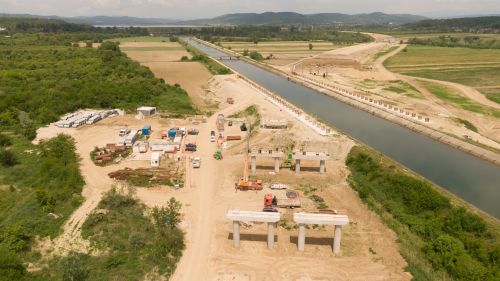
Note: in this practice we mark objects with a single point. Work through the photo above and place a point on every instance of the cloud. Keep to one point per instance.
(189, 9)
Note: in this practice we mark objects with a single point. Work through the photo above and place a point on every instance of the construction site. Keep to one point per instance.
(260, 186)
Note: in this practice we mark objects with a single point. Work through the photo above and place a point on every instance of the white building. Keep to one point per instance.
(145, 111)
(155, 159)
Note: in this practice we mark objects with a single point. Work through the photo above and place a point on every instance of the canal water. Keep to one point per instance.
(471, 178)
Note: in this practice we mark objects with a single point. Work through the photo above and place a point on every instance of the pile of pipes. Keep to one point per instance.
(88, 117)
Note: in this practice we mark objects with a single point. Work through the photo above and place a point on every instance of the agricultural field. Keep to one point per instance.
(476, 68)
(283, 52)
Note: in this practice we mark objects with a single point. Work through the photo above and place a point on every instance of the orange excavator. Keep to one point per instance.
(245, 183)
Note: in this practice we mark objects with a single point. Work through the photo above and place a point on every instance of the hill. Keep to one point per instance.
(466, 24)
(100, 20)
(283, 18)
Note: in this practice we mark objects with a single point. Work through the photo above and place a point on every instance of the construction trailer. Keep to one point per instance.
(164, 147)
(155, 159)
(274, 124)
(146, 111)
(140, 147)
(131, 138)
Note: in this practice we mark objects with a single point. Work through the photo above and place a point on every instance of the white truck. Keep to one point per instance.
(124, 132)
(196, 162)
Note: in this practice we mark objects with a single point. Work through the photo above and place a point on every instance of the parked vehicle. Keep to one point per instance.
(243, 127)
(124, 132)
(193, 131)
(196, 162)
(212, 136)
(278, 186)
(190, 147)
(230, 123)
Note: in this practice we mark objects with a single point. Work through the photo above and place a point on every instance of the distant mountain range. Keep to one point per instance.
(102, 20)
(283, 18)
(268, 18)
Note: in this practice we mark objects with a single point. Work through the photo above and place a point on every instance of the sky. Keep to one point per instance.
(193, 9)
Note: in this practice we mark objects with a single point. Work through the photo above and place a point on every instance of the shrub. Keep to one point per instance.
(11, 267)
(7, 158)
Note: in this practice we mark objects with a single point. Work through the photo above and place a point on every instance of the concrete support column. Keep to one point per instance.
(321, 166)
(302, 237)
(336, 239)
(236, 233)
(297, 165)
(276, 165)
(270, 235)
(254, 164)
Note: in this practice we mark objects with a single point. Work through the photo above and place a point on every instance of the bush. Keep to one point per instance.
(456, 240)
(5, 140)
(11, 267)
(7, 158)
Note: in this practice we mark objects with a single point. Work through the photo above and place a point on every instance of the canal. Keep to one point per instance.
(470, 178)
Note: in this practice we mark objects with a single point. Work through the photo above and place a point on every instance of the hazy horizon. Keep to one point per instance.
(180, 10)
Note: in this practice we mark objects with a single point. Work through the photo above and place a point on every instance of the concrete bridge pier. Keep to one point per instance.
(254, 164)
(270, 235)
(322, 166)
(336, 239)
(270, 217)
(276, 165)
(236, 234)
(297, 165)
(302, 237)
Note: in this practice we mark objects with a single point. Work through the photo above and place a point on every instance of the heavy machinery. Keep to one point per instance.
(245, 183)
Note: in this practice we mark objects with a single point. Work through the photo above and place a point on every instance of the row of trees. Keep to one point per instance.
(257, 33)
(454, 239)
(475, 42)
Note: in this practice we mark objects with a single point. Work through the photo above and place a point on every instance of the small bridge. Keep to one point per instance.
(228, 58)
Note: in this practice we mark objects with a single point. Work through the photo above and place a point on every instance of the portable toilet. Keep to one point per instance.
(155, 159)
(146, 130)
(172, 132)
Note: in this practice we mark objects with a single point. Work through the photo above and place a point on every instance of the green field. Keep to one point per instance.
(477, 68)
(141, 39)
(145, 49)
(452, 96)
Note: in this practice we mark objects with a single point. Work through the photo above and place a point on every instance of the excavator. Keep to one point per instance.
(245, 183)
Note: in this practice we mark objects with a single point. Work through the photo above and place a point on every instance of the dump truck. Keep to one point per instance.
(288, 200)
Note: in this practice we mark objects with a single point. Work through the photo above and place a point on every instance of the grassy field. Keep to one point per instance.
(477, 68)
(454, 97)
(408, 35)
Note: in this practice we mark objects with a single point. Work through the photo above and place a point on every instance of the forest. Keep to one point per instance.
(44, 73)
(40, 81)
(438, 237)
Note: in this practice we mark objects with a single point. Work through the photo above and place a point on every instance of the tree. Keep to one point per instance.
(168, 216)
(310, 46)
